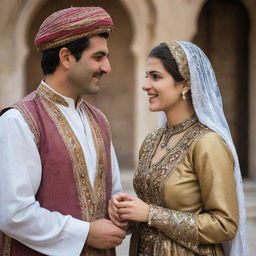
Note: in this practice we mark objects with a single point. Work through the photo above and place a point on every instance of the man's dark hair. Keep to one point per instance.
(163, 53)
(50, 58)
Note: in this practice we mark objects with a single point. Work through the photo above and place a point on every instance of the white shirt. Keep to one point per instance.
(20, 176)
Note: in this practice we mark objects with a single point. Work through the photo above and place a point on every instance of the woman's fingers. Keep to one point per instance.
(133, 210)
(125, 204)
(123, 207)
(123, 197)
(117, 220)
(114, 216)
(126, 216)
(112, 204)
(123, 210)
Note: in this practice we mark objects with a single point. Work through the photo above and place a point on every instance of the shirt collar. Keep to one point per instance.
(46, 91)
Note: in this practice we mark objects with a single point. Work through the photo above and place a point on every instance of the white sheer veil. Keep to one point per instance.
(207, 103)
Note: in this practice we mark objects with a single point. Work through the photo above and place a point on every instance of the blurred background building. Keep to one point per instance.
(224, 29)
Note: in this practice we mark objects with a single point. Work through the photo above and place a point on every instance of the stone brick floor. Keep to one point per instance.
(250, 201)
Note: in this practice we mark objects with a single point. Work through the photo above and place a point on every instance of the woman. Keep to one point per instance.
(188, 182)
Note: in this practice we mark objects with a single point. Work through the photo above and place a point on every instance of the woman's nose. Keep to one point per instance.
(146, 85)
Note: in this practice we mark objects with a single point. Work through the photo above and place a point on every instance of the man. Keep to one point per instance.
(57, 163)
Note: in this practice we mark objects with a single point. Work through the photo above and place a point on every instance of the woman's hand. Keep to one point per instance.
(132, 208)
(113, 211)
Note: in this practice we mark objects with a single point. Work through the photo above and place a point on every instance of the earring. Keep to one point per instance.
(183, 96)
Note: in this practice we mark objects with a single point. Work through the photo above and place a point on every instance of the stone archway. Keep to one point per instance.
(228, 53)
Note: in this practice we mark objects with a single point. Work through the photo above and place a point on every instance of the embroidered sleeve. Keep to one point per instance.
(179, 226)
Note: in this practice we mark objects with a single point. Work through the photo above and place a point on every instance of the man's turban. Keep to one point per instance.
(70, 24)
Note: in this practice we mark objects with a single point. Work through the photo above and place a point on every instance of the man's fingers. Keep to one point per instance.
(104, 234)
(120, 233)
(117, 241)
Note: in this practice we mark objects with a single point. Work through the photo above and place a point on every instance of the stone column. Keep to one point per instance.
(143, 19)
(14, 19)
(10, 81)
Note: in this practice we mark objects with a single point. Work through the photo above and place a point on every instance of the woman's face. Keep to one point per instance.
(163, 92)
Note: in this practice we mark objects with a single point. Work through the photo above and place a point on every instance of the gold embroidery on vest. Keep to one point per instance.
(91, 200)
(43, 90)
(31, 122)
(7, 245)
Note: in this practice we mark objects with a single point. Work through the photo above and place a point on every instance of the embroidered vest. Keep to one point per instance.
(65, 185)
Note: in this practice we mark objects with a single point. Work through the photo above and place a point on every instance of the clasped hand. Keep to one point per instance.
(123, 208)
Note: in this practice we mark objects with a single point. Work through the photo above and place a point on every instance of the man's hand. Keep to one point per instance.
(103, 234)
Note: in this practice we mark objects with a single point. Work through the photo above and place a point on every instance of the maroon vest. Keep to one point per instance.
(58, 189)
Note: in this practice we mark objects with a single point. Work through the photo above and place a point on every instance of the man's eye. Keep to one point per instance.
(97, 57)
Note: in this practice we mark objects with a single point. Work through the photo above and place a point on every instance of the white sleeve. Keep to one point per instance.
(116, 181)
(21, 216)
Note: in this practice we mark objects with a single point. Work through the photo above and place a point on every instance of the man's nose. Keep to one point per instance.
(106, 67)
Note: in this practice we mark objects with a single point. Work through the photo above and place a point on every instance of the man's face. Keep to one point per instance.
(84, 75)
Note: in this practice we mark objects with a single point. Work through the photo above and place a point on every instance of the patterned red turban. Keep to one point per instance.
(70, 24)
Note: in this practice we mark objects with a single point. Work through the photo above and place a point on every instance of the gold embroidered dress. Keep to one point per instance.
(192, 196)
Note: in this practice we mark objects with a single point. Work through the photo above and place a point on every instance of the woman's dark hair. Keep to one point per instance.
(50, 58)
(163, 53)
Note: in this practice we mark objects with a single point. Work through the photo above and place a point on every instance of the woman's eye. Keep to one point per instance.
(155, 77)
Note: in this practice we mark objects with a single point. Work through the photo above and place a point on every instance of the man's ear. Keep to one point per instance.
(66, 58)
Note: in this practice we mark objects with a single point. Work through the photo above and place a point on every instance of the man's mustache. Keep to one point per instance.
(99, 73)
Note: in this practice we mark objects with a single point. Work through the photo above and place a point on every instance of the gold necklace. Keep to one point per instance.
(172, 130)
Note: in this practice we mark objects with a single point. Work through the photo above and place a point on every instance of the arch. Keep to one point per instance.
(21, 30)
(143, 14)
(142, 18)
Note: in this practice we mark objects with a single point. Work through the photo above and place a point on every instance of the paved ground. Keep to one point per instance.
(250, 200)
